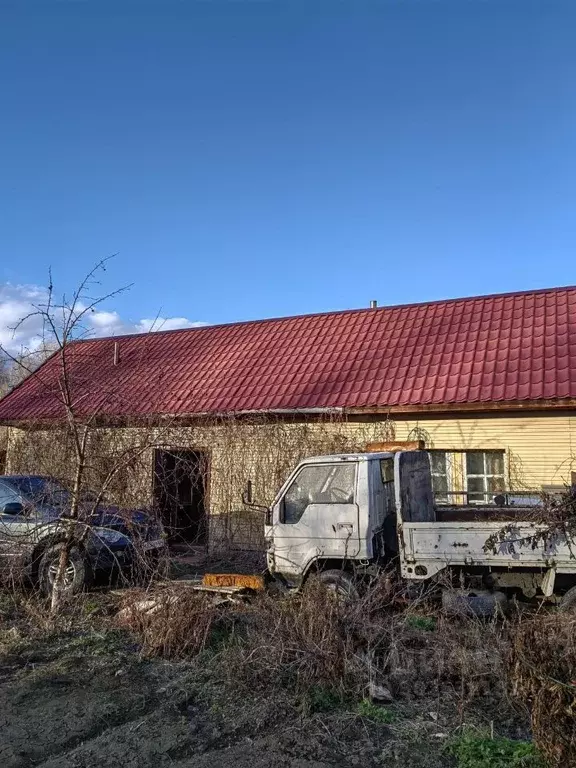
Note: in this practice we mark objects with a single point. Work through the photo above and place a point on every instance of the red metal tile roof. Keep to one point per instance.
(489, 349)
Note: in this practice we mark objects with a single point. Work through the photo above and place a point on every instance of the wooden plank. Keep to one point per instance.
(392, 446)
(234, 580)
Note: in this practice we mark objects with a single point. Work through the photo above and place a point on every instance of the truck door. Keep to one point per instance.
(317, 516)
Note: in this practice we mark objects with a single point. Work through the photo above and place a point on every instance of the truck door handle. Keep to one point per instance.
(344, 526)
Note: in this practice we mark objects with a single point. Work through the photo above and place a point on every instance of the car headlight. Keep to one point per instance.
(109, 536)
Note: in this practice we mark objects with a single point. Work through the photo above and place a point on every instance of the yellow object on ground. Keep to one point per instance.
(238, 580)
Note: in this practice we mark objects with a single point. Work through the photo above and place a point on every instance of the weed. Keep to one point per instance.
(477, 750)
(7, 601)
(11, 642)
(425, 623)
(377, 714)
(220, 636)
(175, 623)
(542, 671)
(90, 607)
(97, 643)
(321, 699)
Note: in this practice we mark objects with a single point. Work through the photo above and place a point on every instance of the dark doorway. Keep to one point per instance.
(180, 493)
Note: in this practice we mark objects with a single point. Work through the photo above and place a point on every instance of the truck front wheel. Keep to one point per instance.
(341, 583)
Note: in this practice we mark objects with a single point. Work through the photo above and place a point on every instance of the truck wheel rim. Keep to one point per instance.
(69, 573)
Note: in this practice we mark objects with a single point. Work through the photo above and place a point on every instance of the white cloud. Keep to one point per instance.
(18, 301)
(165, 324)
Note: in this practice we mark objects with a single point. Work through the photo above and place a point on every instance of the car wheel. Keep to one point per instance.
(341, 584)
(76, 575)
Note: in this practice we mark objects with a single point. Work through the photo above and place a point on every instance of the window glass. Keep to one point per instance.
(494, 463)
(8, 496)
(485, 475)
(438, 462)
(42, 490)
(495, 484)
(387, 470)
(319, 484)
(440, 487)
(341, 484)
(475, 463)
(439, 466)
(476, 486)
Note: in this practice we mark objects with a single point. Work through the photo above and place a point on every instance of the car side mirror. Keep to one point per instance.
(12, 508)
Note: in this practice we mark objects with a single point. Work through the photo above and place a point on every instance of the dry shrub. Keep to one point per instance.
(465, 657)
(174, 622)
(299, 641)
(313, 641)
(543, 673)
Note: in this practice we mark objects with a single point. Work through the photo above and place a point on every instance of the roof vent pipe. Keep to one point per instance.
(373, 304)
(116, 353)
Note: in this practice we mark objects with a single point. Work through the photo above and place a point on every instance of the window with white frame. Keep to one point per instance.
(441, 476)
(484, 475)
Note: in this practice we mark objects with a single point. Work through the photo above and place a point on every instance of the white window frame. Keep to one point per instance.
(488, 495)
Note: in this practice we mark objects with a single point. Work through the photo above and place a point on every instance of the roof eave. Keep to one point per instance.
(568, 403)
(447, 409)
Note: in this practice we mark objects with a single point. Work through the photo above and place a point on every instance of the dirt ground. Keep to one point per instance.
(89, 699)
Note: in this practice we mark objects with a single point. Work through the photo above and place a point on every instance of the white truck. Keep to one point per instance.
(344, 516)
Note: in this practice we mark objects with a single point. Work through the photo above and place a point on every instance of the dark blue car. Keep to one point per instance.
(35, 526)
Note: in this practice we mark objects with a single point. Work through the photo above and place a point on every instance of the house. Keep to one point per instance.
(488, 383)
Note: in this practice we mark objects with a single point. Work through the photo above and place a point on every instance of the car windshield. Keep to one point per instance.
(42, 490)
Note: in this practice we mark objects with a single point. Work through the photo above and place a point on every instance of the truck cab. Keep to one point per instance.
(354, 513)
(342, 510)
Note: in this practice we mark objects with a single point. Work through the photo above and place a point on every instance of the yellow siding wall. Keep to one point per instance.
(540, 449)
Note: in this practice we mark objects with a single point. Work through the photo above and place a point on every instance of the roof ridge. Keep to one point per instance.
(356, 310)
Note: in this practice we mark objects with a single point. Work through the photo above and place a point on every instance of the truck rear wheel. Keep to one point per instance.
(341, 583)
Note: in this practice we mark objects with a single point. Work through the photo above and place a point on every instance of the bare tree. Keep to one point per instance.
(63, 322)
(86, 449)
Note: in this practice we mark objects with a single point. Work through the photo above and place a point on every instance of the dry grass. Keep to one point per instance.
(311, 642)
(172, 622)
(543, 673)
(319, 654)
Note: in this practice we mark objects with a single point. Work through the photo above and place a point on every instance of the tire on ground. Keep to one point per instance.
(457, 602)
(77, 575)
(568, 601)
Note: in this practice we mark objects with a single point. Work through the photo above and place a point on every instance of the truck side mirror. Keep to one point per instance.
(247, 495)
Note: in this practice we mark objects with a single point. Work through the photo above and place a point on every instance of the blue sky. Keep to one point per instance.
(249, 159)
